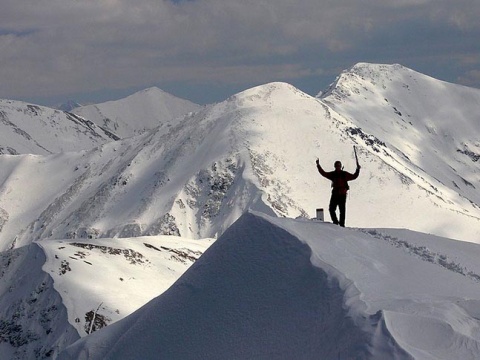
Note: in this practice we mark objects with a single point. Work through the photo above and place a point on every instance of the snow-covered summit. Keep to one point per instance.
(377, 74)
(138, 112)
(430, 123)
(269, 91)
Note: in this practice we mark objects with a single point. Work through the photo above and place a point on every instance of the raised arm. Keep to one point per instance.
(355, 174)
(320, 170)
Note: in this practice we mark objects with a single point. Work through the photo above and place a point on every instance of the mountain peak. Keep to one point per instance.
(151, 90)
(414, 114)
(365, 72)
(365, 68)
(270, 92)
(136, 113)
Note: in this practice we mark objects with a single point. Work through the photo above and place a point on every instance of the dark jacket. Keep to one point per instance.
(339, 179)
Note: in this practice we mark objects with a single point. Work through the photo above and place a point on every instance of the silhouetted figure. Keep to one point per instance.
(339, 179)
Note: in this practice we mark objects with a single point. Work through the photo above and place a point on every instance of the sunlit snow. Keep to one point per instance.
(195, 238)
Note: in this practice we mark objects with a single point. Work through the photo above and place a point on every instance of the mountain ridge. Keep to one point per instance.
(255, 150)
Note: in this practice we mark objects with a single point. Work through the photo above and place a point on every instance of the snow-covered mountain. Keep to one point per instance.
(32, 129)
(426, 122)
(255, 150)
(277, 288)
(195, 176)
(137, 113)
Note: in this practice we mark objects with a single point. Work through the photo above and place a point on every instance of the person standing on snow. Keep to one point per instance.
(339, 179)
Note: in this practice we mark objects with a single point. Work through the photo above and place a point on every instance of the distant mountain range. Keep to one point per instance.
(155, 165)
(33, 129)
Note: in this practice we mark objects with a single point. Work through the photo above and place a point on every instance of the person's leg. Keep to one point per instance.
(342, 200)
(332, 208)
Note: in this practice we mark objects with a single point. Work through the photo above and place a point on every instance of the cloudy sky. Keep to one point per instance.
(206, 50)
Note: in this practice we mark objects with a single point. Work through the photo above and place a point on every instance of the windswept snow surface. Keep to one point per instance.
(138, 112)
(276, 288)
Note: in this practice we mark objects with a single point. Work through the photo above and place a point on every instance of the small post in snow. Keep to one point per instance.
(320, 215)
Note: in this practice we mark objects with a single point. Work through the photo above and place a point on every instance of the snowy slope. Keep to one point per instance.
(33, 129)
(114, 277)
(53, 292)
(136, 113)
(33, 318)
(273, 288)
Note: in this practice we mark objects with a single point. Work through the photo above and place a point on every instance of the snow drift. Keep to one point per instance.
(281, 289)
